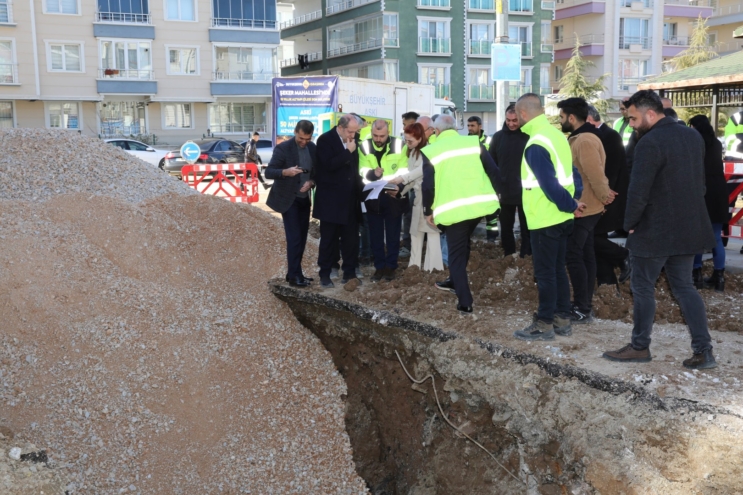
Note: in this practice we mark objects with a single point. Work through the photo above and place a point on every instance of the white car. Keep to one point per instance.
(265, 150)
(140, 150)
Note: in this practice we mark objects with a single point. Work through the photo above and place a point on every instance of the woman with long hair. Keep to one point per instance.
(716, 198)
(415, 140)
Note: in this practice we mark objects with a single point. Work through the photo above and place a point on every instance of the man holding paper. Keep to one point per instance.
(382, 158)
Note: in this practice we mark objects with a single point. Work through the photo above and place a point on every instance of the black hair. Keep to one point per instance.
(574, 106)
(410, 116)
(511, 108)
(645, 99)
(305, 127)
(256, 134)
(670, 112)
(475, 119)
(702, 124)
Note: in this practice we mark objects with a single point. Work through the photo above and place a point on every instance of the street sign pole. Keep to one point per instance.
(501, 87)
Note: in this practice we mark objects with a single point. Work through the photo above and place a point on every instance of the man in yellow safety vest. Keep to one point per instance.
(621, 125)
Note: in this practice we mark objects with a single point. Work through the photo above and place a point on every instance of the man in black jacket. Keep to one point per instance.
(291, 167)
(338, 198)
(507, 150)
(666, 191)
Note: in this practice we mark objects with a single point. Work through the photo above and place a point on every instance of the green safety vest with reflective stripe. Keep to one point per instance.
(539, 210)
(627, 130)
(463, 190)
(485, 141)
(394, 161)
(365, 132)
(733, 127)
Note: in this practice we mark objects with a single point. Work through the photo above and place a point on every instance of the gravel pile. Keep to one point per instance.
(140, 346)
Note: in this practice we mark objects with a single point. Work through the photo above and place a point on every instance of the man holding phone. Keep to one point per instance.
(292, 168)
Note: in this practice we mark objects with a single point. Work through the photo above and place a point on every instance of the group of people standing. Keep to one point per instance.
(569, 194)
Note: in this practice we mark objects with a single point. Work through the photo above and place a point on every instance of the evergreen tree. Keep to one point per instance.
(574, 82)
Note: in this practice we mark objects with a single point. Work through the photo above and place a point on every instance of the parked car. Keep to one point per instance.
(215, 150)
(265, 151)
(140, 150)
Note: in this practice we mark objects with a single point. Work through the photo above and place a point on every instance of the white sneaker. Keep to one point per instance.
(334, 273)
(359, 274)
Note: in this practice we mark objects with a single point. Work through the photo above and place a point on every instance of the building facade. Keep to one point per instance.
(177, 69)
(445, 43)
(726, 18)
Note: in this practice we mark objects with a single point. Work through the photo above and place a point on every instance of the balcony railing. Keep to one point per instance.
(648, 4)
(6, 13)
(520, 6)
(548, 5)
(233, 128)
(8, 73)
(546, 47)
(480, 47)
(676, 41)
(546, 90)
(312, 16)
(124, 17)
(692, 3)
(311, 57)
(625, 83)
(728, 9)
(442, 90)
(227, 22)
(516, 91)
(626, 41)
(481, 92)
(526, 48)
(137, 74)
(585, 39)
(241, 75)
(364, 45)
(730, 46)
(443, 4)
(434, 45)
(481, 4)
(350, 4)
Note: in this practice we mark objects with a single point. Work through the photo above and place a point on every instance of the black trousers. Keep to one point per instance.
(458, 241)
(581, 261)
(296, 225)
(507, 222)
(334, 236)
(609, 255)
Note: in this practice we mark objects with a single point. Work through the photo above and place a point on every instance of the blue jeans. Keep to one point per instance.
(718, 252)
(548, 247)
(645, 273)
(444, 249)
(384, 226)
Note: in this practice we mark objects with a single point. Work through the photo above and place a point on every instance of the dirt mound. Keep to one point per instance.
(142, 350)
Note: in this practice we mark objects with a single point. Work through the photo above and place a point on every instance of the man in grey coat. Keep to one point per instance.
(667, 221)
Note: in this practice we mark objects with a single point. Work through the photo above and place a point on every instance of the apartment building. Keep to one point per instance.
(176, 69)
(445, 43)
(627, 39)
(727, 17)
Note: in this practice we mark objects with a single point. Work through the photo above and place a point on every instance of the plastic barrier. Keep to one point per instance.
(734, 175)
(242, 187)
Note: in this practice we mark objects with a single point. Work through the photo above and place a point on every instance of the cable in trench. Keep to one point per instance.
(441, 410)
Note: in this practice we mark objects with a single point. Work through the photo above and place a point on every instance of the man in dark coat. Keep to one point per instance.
(507, 150)
(338, 198)
(667, 221)
(610, 254)
(291, 167)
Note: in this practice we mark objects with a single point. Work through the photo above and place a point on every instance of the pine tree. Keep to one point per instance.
(574, 82)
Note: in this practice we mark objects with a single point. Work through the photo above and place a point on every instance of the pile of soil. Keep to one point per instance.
(141, 348)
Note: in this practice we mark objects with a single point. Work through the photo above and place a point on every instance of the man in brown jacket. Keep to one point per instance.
(589, 158)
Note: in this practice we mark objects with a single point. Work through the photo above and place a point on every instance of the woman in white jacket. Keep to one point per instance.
(415, 139)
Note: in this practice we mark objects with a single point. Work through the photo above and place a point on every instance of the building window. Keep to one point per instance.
(519, 6)
(6, 114)
(180, 10)
(363, 34)
(558, 73)
(7, 62)
(437, 76)
(236, 117)
(480, 39)
(631, 72)
(123, 11)
(521, 35)
(481, 4)
(384, 71)
(61, 6)
(63, 115)
(5, 12)
(433, 36)
(65, 57)
(558, 34)
(237, 63)
(177, 116)
(183, 61)
(545, 86)
(545, 32)
(633, 31)
(127, 59)
(122, 118)
(244, 13)
(480, 84)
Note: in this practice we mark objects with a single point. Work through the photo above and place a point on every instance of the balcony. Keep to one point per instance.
(482, 5)
(243, 76)
(516, 91)
(548, 5)
(233, 30)
(574, 8)
(691, 9)
(343, 6)
(480, 48)
(123, 17)
(636, 4)
(592, 45)
(126, 81)
(674, 45)
(520, 7)
(546, 90)
(135, 74)
(481, 92)
(635, 43)
(729, 47)
(434, 46)
(311, 57)
(360, 47)
(434, 4)
(442, 90)
(526, 49)
(727, 14)
(546, 48)
(629, 83)
(6, 13)
(8, 73)
(228, 22)
(302, 19)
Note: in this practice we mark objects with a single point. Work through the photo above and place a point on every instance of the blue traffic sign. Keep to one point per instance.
(505, 62)
(190, 152)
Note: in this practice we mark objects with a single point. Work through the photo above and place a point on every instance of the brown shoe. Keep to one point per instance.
(629, 354)
(389, 274)
(702, 361)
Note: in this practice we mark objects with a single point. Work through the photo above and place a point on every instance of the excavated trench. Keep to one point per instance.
(550, 428)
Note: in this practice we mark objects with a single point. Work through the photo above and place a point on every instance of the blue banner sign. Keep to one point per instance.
(302, 98)
(505, 62)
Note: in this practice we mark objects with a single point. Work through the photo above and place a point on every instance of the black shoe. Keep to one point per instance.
(617, 234)
(696, 278)
(308, 279)
(717, 280)
(626, 270)
(579, 316)
(299, 282)
(326, 283)
(703, 361)
(464, 309)
(446, 285)
(378, 275)
(389, 274)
